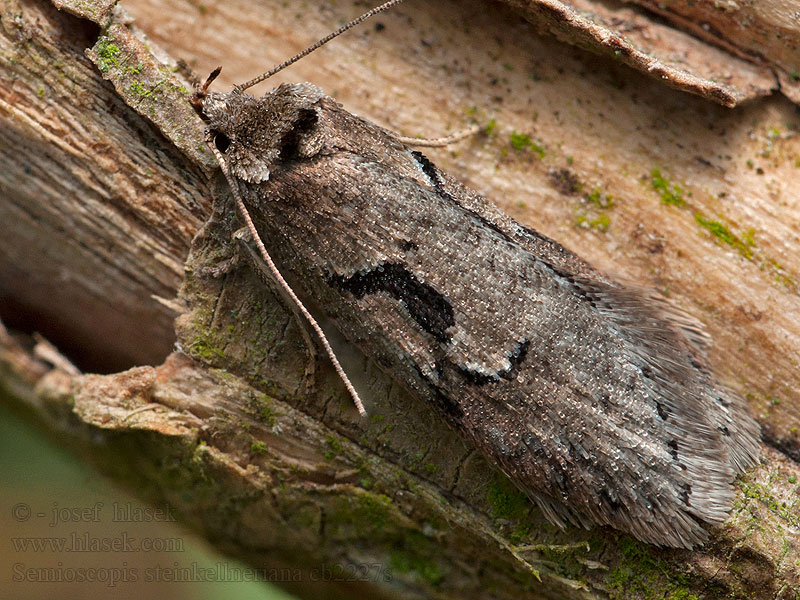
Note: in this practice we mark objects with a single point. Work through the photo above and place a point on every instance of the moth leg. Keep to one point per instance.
(244, 240)
(223, 267)
(215, 228)
(442, 141)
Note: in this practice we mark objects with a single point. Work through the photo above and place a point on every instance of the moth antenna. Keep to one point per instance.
(323, 41)
(279, 278)
(440, 141)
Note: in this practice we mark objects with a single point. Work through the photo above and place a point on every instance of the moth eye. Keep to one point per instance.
(221, 141)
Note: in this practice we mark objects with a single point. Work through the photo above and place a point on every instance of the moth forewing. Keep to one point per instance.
(592, 396)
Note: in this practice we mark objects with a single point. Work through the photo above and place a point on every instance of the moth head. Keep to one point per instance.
(256, 135)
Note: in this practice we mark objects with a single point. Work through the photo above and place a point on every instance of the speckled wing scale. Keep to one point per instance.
(593, 397)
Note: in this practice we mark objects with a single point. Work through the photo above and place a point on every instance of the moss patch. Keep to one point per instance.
(744, 245)
(670, 193)
(107, 54)
(506, 501)
(334, 447)
(640, 575)
(522, 141)
(258, 448)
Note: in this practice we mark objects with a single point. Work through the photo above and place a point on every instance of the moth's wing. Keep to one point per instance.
(620, 425)
(632, 308)
(685, 351)
(581, 391)
(677, 435)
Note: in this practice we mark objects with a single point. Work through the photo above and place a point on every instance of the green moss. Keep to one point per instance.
(375, 508)
(261, 407)
(522, 141)
(758, 491)
(137, 88)
(107, 54)
(743, 245)
(258, 448)
(643, 575)
(780, 275)
(671, 194)
(792, 478)
(431, 468)
(506, 501)
(427, 570)
(203, 348)
(521, 533)
(599, 199)
(600, 223)
(490, 128)
(334, 447)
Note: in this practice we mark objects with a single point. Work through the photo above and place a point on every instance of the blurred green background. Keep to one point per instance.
(38, 480)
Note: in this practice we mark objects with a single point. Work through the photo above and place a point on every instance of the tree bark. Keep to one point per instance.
(106, 182)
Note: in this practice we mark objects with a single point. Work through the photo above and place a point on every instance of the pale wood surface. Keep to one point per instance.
(100, 202)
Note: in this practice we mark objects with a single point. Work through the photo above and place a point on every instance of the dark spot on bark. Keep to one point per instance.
(724, 430)
(429, 308)
(697, 364)
(703, 161)
(516, 359)
(383, 361)
(790, 446)
(565, 181)
(430, 170)
(290, 142)
(438, 368)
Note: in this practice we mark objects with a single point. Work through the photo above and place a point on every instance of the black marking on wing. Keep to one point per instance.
(577, 288)
(673, 444)
(290, 142)
(433, 174)
(429, 308)
(516, 359)
(430, 170)
(686, 492)
(408, 245)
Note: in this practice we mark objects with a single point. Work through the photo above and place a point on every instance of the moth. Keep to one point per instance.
(592, 396)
